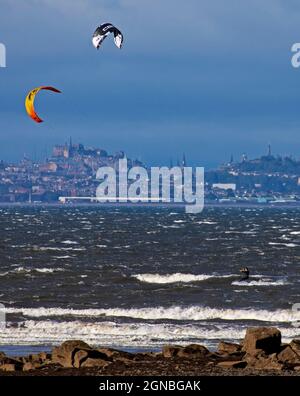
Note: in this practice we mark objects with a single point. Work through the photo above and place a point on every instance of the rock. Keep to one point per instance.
(142, 356)
(40, 357)
(44, 356)
(193, 351)
(170, 351)
(267, 339)
(80, 357)
(21, 359)
(33, 358)
(295, 345)
(261, 361)
(3, 358)
(288, 355)
(84, 355)
(31, 366)
(252, 359)
(8, 367)
(91, 362)
(9, 362)
(64, 354)
(297, 368)
(28, 366)
(228, 348)
(232, 365)
(114, 354)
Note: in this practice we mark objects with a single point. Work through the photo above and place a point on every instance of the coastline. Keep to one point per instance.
(260, 353)
(231, 205)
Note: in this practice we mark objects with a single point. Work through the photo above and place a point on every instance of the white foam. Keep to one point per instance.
(283, 244)
(191, 313)
(68, 242)
(170, 278)
(58, 249)
(176, 278)
(62, 257)
(23, 270)
(205, 222)
(260, 282)
(48, 270)
(123, 334)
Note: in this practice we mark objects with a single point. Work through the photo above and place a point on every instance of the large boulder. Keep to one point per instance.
(193, 351)
(227, 348)
(170, 351)
(64, 354)
(266, 339)
(79, 357)
(90, 358)
(288, 355)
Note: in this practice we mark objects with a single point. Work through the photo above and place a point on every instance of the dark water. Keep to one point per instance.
(138, 277)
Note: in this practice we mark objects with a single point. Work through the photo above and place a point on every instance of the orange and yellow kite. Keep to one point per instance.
(29, 102)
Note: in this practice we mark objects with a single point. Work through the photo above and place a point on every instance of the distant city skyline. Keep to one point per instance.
(72, 173)
(176, 160)
(183, 157)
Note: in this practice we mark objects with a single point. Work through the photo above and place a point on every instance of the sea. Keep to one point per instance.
(136, 277)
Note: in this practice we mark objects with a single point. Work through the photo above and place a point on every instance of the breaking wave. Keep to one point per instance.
(176, 278)
(178, 313)
(109, 333)
(23, 270)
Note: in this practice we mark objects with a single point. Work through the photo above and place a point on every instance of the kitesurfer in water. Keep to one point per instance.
(245, 273)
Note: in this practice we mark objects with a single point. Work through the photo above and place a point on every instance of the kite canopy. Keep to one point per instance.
(29, 102)
(103, 31)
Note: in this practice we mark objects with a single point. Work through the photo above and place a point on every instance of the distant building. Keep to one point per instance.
(48, 167)
(225, 186)
(61, 151)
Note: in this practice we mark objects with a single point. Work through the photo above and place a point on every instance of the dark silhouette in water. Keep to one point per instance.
(245, 273)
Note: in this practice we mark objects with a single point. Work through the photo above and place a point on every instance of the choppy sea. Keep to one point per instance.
(137, 278)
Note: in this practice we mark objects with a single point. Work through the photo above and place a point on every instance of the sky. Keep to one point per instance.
(208, 78)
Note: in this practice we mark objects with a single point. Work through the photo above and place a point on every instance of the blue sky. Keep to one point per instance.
(204, 77)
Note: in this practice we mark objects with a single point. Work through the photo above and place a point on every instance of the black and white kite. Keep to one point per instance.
(103, 31)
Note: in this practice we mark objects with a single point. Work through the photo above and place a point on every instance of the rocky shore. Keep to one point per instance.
(260, 353)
